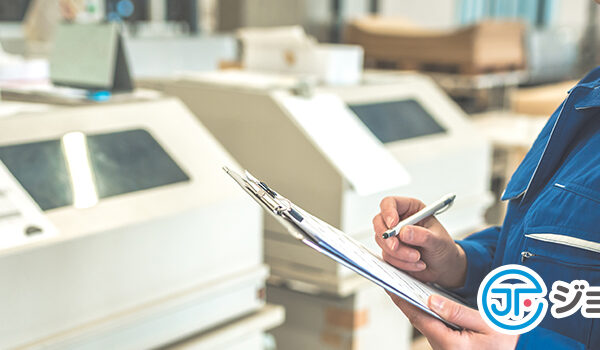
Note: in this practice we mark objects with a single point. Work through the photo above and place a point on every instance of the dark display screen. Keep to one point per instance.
(13, 10)
(120, 162)
(397, 120)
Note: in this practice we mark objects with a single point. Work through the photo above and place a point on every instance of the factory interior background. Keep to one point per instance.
(119, 228)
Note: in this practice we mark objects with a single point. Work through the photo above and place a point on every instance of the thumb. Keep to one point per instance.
(456, 313)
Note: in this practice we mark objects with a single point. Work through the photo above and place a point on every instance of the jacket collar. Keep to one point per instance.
(591, 99)
(590, 86)
(552, 141)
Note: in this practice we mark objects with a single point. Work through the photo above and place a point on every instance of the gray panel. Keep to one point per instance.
(397, 120)
(121, 162)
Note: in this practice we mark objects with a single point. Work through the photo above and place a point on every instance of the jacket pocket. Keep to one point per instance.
(560, 257)
(566, 208)
(579, 190)
(562, 250)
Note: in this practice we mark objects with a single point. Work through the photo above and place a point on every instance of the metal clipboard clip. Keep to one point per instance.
(279, 207)
(266, 196)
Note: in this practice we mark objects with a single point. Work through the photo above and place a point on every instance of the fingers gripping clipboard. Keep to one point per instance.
(340, 247)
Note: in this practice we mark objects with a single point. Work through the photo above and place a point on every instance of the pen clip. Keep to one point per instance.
(445, 208)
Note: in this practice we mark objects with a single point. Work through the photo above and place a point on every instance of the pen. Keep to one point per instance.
(441, 205)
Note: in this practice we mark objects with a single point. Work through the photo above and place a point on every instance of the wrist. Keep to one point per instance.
(457, 274)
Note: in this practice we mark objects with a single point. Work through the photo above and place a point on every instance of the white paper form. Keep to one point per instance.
(21, 220)
(354, 253)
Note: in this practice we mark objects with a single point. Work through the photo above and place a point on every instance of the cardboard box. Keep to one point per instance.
(487, 46)
(540, 100)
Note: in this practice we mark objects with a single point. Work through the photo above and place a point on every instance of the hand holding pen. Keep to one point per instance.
(436, 208)
(419, 245)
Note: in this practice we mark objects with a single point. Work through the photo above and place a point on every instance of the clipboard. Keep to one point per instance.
(340, 247)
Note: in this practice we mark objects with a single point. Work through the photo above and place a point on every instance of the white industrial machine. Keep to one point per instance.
(432, 137)
(366, 319)
(138, 211)
(261, 118)
(245, 333)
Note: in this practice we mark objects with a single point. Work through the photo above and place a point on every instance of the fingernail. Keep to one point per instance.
(392, 243)
(436, 303)
(389, 221)
(414, 256)
(407, 234)
(421, 265)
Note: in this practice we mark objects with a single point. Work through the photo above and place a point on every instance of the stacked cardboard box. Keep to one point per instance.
(488, 46)
(540, 100)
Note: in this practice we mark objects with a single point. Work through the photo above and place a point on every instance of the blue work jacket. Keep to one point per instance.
(553, 197)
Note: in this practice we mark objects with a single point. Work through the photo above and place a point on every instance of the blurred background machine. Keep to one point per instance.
(406, 113)
(422, 127)
(331, 322)
(139, 208)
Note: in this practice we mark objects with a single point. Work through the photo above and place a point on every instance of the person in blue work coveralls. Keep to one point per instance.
(555, 194)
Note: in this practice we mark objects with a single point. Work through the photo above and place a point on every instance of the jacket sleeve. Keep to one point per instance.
(479, 248)
(544, 339)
